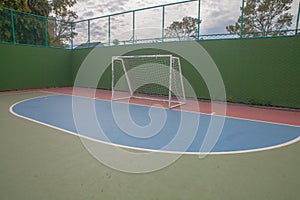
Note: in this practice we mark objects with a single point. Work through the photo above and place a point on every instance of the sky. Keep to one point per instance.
(93, 8)
(215, 16)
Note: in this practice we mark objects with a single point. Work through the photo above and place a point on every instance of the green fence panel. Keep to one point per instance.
(29, 29)
(6, 26)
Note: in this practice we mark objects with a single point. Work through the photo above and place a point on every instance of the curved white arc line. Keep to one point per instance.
(39, 122)
(149, 150)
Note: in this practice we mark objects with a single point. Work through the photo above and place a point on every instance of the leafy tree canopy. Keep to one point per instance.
(264, 17)
(37, 7)
(187, 27)
(63, 13)
(30, 29)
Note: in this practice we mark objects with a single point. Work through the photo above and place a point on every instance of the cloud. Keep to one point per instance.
(116, 9)
(88, 14)
(215, 16)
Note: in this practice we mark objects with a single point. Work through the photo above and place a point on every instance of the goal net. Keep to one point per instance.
(149, 77)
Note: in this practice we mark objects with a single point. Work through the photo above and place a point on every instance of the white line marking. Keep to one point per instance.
(150, 150)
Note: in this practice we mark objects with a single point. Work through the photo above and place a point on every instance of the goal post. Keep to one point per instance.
(149, 77)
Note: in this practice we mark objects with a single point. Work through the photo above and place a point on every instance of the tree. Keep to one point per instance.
(63, 24)
(31, 29)
(263, 18)
(28, 29)
(19, 5)
(39, 7)
(187, 28)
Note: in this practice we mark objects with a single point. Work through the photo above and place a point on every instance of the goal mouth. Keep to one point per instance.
(148, 77)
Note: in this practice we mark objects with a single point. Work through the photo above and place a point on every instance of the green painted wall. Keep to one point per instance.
(260, 71)
(25, 67)
(256, 71)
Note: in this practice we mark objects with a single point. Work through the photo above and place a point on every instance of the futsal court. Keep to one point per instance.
(44, 155)
(238, 134)
(120, 107)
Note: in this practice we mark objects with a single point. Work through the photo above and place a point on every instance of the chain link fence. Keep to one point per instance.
(28, 29)
(179, 21)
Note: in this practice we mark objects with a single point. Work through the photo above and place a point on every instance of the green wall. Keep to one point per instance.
(256, 71)
(259, 71)
(25, 67)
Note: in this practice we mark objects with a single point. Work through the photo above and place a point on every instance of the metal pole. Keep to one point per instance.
(242, 20)
(199, 20)
(46, 32)
(72, 40)
(112, 79)
(13, 27)
(170, 82)
(89, 33)
(133, 26)
(163, 23)
(297, 24)
(109, 31)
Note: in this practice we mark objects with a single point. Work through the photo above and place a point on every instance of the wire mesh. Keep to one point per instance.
(295, 11)
(148, 77)
(224, 19)
(216, 16)
(99, 31)
(59, 33)
(81, 40)
(121, 28)
(177, 13)
(29, 29)
(6, 26)
(148, 25)
(269, 18)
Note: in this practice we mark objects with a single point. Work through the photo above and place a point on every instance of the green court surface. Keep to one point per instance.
(38, 162)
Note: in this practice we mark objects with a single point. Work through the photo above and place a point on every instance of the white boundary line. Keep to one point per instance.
(152, 150)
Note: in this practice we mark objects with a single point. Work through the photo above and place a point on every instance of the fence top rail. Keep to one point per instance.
(136, 10)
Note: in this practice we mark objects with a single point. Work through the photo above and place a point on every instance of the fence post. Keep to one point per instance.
(13, 26)
(46, 32)
(242, 19)
(297, 23)
(163, 24)
(72, 37)
(109, 31)
(199, 20)
(133, 26)
(89, 33)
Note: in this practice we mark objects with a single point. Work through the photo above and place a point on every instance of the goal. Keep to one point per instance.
(149, 77)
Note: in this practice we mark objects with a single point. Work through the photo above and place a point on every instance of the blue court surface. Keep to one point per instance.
(143, 127)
